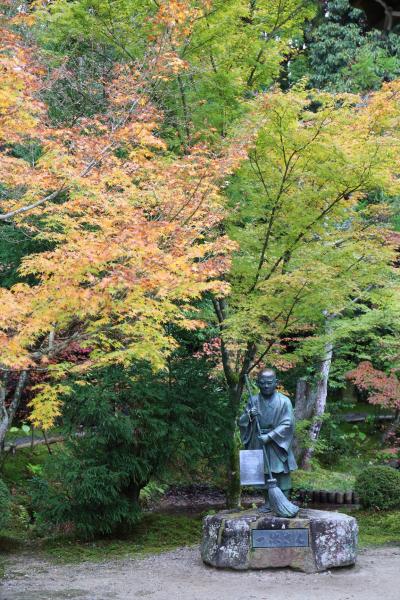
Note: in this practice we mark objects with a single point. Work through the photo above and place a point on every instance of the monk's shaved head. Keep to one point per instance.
(266, 373)
(266, 382)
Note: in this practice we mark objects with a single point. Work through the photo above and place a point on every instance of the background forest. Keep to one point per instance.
(190, 191)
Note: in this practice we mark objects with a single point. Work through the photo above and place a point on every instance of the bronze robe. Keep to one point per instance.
(276, 418)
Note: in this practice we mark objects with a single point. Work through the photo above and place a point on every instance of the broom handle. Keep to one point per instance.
(259, 428)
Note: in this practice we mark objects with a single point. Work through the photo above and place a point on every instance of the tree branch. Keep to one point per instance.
(219, 307)
(12, 409)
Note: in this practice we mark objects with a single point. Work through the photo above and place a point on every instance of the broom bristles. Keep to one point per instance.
(280, 505)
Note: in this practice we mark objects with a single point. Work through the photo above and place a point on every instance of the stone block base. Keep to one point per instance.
(314, 541)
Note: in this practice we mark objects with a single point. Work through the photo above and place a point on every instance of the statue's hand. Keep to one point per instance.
(253, 412)
(264, 438)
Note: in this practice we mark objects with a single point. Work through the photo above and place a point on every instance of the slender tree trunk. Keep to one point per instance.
(303, 410)
(7, 414)
(46, 441)
(321, 392)
(184, 108)
(4, 420)
(305, 400)
(233, 491)
(235, 379)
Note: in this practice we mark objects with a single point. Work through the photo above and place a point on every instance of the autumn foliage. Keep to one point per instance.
(382, 389)
(133, 229)
(137, 233)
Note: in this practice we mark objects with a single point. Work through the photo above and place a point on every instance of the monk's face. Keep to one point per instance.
(267, 383)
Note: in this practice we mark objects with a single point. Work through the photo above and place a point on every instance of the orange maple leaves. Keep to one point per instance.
(382, 389)
(133, 229)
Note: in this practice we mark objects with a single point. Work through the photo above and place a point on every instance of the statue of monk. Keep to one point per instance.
(276, 419)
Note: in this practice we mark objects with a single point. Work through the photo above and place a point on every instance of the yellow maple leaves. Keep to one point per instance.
(46, 404)
(132, 233)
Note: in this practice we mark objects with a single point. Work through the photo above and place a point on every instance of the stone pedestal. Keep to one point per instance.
(314, 541)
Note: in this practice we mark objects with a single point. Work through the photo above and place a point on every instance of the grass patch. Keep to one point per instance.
(15, 471)
(323, 479)
(378, 528)
(154, 534)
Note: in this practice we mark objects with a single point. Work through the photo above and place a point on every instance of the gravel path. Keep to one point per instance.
(180, 575)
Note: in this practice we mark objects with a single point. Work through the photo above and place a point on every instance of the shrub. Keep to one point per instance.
(5, 502)
(379, 487)
(136, 428)
(83, 496)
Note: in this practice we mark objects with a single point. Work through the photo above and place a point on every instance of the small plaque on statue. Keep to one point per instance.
(252, 467)
(279, 538)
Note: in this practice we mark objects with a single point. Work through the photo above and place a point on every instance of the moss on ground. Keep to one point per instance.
(159, 533)
(323, 479)
(378, 528)
(154, 534)
(16, 471)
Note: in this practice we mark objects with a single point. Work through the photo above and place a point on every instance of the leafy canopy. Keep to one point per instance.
(306, 248)
(132, 229)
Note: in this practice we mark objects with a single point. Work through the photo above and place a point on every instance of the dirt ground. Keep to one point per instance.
(180, 575)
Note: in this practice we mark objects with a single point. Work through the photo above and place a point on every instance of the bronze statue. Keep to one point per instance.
(274, 430)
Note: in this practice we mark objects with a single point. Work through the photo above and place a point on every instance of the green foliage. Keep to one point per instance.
(136, 425)
(235, 51)
(344, 56)
(335, 441)
(377, 528)
(20, 518)
(379, 487)
(16, 242)
(152, 492)
(82, 41)
(23, 430)
(322, 479)
(5, 505)
(92, 498)
(302, 439)
(231, 51)
(371, 336)
(294, 214)
(80, 89)
(16, 469)
(120, 25)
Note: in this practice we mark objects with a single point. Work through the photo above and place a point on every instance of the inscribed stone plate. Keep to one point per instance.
(279, 538)
(252, 467)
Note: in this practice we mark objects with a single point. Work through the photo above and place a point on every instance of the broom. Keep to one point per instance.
(280, 505)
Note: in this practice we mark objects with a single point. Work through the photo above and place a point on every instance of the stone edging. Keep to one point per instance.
(326, 496)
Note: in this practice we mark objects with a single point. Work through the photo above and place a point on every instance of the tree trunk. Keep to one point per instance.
(235, 378)
(305, 400)
(321, 392)
(233, 490)
(303, 410)
(4, 420)
(7, 414)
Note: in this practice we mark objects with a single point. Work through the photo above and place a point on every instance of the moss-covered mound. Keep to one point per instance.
(379, 487)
